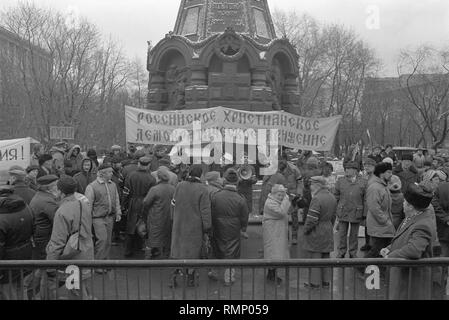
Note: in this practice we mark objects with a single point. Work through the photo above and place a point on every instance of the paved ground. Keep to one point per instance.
(250, 283)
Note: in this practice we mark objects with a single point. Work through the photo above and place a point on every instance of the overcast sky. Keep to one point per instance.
(402, 23)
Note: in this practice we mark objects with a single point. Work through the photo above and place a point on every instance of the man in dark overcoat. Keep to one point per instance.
(137, 185)
(229, 217)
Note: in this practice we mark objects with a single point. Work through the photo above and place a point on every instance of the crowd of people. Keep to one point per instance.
(198, 211)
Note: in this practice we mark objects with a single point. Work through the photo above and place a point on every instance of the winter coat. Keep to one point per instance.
(379, 220)
(138, 184)
(229, 216)
(306, 192)
(191, 219)
(22, 190)
(419, 161)
(407, 177)
(16, 229)
(66, 223)
(351, 199)
(318, 228)
(268, 183)
(213, 187)
(397, 208)
(129, 168)
(44, 206)
(157, 204)
(173, 178)
(83, 178)
(412, 241)
(102, 204)
(275, 229)
(75, 161)
(441, 206)
(245, 188)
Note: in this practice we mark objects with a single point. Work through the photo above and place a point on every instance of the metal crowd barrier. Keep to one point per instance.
(350, 279)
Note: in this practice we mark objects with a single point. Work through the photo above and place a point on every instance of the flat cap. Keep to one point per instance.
(369, 162)
(212, 176)
(17, 171)
(163, 173)
(67, 185)
(139, 154)
(318, 180)
(105, 166)
(145, 161)
(46, 180)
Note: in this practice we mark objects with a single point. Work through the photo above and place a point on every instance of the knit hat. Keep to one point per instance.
(163, 174)
(196, 171)
(278, 188)
(395, 184)
(67, 185)
(44, 158)
(312, 161)
(46, 180)
(382, 167)
(369, 162)
(17, 171)
(91, 153)
(212, 176)
(419, 196)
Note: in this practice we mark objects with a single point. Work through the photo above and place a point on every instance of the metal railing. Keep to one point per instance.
(348, 279)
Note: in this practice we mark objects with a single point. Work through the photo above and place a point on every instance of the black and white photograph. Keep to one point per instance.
(224, 154)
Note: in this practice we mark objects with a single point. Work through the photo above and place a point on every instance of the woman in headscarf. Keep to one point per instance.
(275, 228)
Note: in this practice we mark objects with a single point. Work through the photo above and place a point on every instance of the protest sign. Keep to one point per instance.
(157, 127)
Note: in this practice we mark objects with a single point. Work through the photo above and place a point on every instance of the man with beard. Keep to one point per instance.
(379, 220)
(137, 184)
